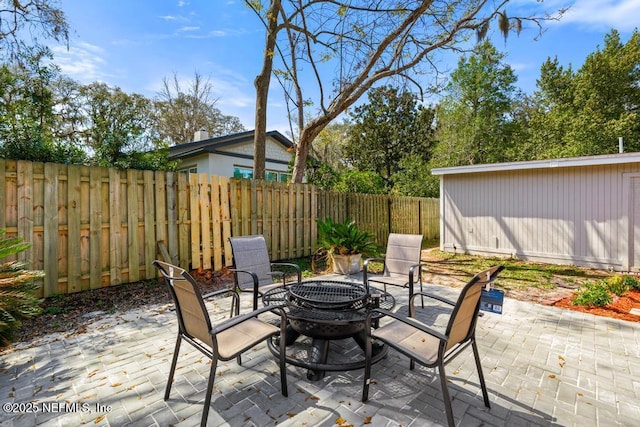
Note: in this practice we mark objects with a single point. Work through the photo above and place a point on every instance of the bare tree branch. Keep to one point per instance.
(370, 41)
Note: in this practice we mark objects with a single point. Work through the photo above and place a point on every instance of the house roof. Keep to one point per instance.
(211, 145)
(606, 159)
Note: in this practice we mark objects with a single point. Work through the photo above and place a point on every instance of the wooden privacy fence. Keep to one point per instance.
(92, 227)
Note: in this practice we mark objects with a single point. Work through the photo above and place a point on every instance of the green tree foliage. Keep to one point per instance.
(27, 106)
(414, 179)
(17, 288)
(475, 124)
(584, 112)
(360, 182)
(387, 130)
(327, 163)
(117, 124)
(47, 117)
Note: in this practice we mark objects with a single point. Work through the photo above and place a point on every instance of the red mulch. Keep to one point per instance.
(618, 309)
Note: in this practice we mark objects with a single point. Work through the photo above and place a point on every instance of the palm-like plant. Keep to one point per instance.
(17, 288)
(345, 238)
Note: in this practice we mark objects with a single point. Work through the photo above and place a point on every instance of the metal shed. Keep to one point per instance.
(582, 211)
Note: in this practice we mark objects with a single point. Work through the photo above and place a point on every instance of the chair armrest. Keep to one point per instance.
(365, 269)
(368, 260)
(289, 264)
(408, 321)
(216, 293)
(253, 275)
(434, 296)
(256, 284)
(412, 270)
(412, 306)
(243, 318)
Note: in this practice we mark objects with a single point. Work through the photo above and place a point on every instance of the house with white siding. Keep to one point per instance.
(232, 155)
(582, 211)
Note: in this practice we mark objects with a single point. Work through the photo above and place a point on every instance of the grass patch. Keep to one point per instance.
(517, 274)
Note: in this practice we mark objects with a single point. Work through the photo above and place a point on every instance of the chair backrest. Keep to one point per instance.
(193, 318)
(250, 254)
(462, 323)
(403, 251)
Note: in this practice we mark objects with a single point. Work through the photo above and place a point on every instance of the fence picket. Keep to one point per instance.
(115, 228)
(149, 224)
(195, 221)
(133, 241)
(172, 218)
(74, 253)
(204, 196)
(95, 227)
(51, 227)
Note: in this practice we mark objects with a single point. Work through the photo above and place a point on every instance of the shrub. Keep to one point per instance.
(617, 285)
(17, 288)
(345, 238)
(593, 295)
(632, 281)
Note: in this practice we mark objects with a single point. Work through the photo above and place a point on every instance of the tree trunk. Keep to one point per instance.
(308, 134)
(261, 84)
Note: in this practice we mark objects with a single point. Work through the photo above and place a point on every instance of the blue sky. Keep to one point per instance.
(134, 44)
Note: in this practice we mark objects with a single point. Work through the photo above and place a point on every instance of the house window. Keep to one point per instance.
(284, 177)
(242, 172)
(269, 175)
(192, 169)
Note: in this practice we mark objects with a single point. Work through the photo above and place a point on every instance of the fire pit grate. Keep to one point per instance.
(327, 295)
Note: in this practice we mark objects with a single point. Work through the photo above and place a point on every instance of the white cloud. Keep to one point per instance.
(83, 61)
(188, 29)
(520, 66)
(623, 15)
(234, 92)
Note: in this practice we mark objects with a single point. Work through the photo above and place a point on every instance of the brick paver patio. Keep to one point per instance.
(543, 366)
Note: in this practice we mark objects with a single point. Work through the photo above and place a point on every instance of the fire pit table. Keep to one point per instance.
(325, 311)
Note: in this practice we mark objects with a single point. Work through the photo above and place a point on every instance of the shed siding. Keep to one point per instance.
(574, 215)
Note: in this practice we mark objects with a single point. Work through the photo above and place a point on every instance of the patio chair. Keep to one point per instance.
(253, 272)
(401, 263)
(224, 341)
(429, 347)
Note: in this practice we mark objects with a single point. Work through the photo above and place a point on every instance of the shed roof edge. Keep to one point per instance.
(606, 159)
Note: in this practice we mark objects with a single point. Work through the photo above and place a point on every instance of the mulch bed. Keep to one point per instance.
(65, 313)
(619, 308)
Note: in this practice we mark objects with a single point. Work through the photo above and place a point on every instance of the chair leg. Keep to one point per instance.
(445, 395)
(367, 368)
(283, 366)
(476, 355)
(173, 367)
(207, 399)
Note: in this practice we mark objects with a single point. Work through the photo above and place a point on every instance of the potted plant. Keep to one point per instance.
(343, 244)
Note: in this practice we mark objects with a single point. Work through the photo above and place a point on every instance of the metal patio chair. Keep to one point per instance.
(253, 271)
(430, 347)
(401, 263)
(224, 341)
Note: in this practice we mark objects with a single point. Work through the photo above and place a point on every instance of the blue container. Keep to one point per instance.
(492, 300)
